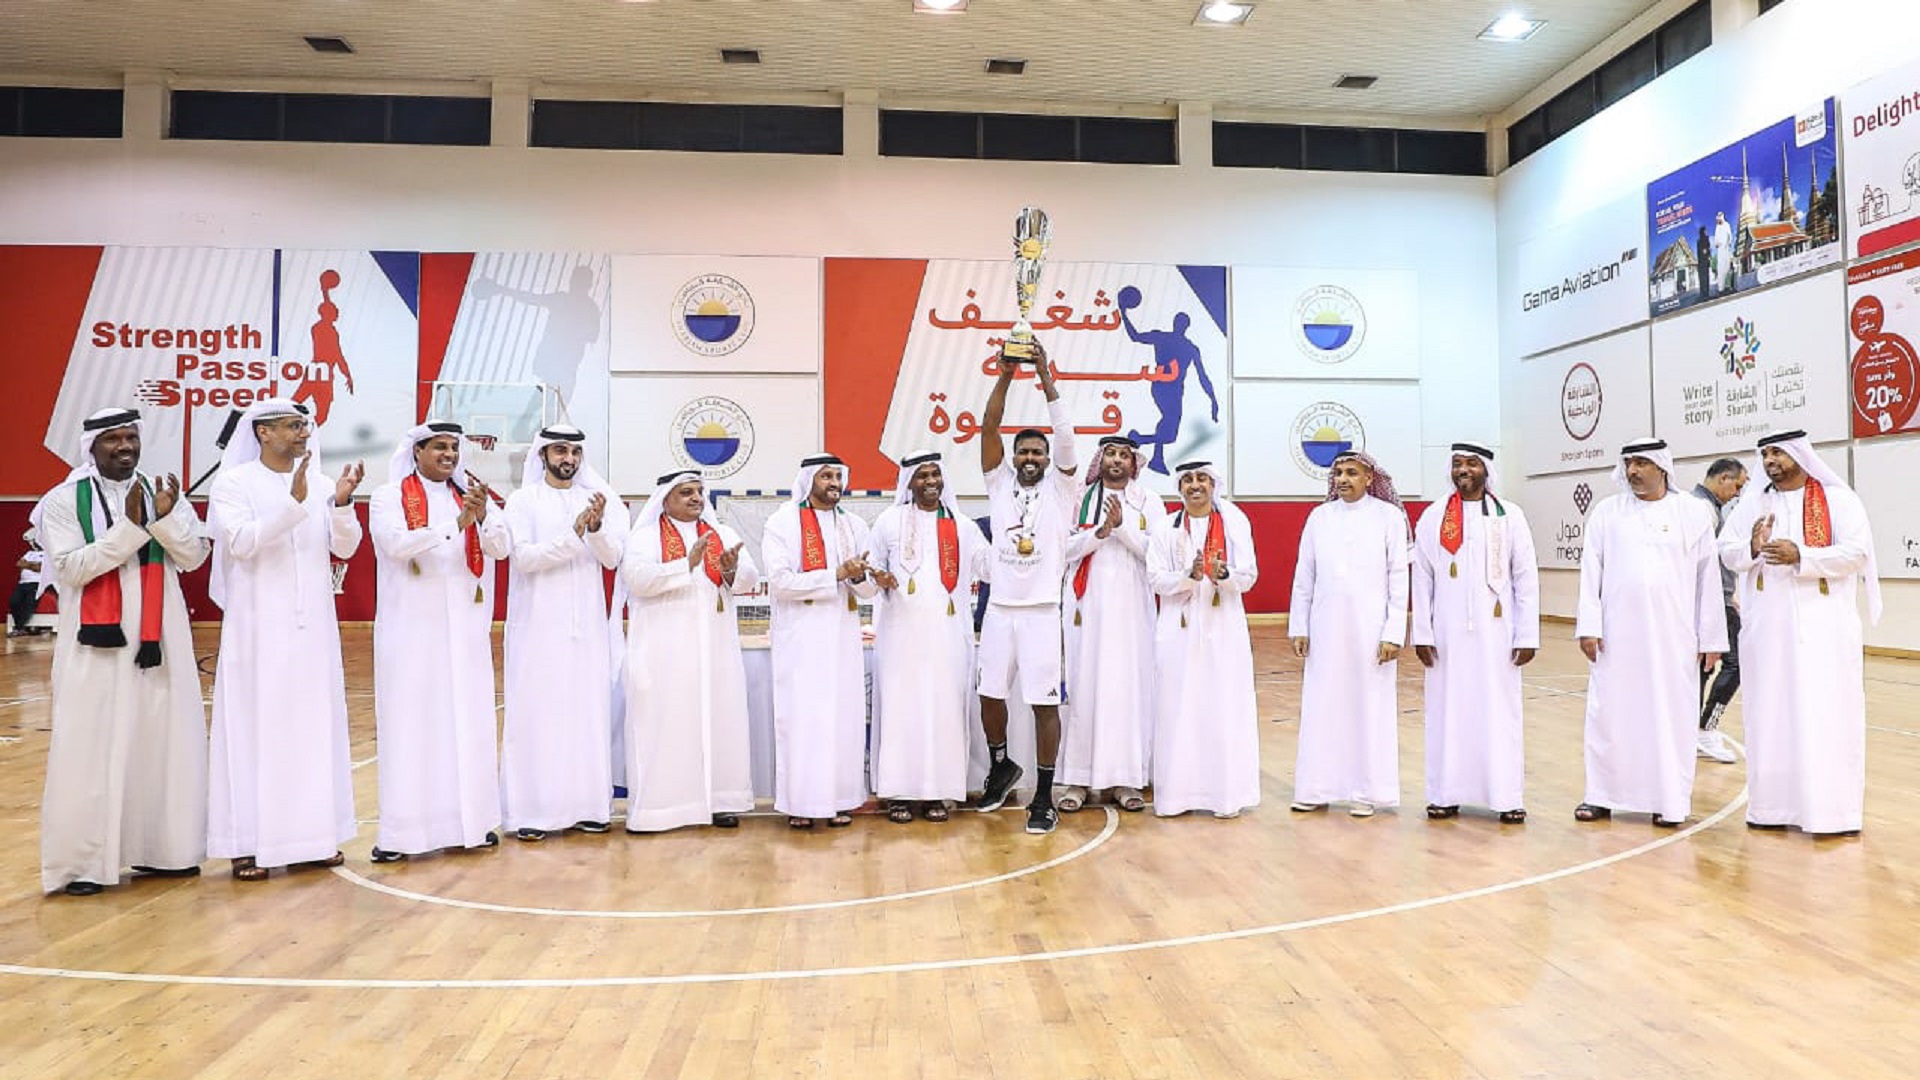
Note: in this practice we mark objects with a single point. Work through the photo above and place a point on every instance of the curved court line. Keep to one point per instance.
(906, 967)
(1113, 824)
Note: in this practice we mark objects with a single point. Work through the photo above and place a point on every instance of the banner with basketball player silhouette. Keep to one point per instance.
(189, 334)
(912, 346)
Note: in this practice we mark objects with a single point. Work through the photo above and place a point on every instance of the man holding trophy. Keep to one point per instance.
(1032, 503)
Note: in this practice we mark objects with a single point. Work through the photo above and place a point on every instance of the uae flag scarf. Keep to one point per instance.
(100, 600)
(1816, 525)
(413, 502)
(672, 547)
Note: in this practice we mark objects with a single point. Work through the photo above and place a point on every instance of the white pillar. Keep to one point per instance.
(860, 124)
(1194, 128)
(512, 112)
(143, 106)
(1731, 15)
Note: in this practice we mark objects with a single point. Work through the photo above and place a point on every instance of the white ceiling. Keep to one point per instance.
(1092, 53)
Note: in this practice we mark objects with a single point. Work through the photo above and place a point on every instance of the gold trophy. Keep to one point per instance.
(1032, 234)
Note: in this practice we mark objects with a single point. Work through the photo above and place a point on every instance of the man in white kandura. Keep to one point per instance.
(1031, 500)
(127, 763)
(1106, 723)
(925, 557)
(433, 702)
(1650, 621)
(567, 526)
(280, 785)
(1476, 623)
(817, 577)
(1801, 547)
(1348, 619)
(1206, 732)
(688, 752)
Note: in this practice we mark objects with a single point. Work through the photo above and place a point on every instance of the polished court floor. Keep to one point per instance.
(1275, 945)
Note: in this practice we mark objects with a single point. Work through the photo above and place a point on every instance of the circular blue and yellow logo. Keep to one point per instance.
(712, 435)
(712, 315)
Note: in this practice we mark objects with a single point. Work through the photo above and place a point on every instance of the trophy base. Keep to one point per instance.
(1018, 352)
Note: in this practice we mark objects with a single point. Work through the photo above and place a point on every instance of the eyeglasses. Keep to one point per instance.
(292, 423)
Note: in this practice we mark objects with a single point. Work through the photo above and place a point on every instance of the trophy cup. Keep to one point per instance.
(1032, 233)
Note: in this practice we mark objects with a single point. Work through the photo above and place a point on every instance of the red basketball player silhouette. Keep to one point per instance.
(326, 351)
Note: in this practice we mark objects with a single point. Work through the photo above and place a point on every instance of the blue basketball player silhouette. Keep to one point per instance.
(1173, 355)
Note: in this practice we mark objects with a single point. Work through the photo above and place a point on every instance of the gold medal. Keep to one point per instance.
(1024, 546)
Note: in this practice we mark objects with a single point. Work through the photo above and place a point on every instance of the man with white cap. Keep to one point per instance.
(1106, 723)
(1347, 619)
(568, 526)
(127, 765)
(1031, 499)
(280, 790)
(1801, 548)
(1476, 623)
(1206, 734)
(1650, 621)
(433, 697)
(688, 752)
(817, 575)
(925, 556)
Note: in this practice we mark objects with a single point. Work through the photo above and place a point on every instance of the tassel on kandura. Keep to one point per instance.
(1496, 607)
(910, 587)
(1076, 616)
(1183, 620)
(1216, 598)
(720, 603)
(413, 567)
(853, 603)
(1823, 586)
(1760, 583)
(949, 605)
(479, 594)
(1143, 523)
(1453, 569)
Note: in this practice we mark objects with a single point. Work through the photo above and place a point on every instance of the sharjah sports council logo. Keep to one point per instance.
(712, 435)
(1740, 347)
(1580, 400)
(712, 315)
(1321, 432)
(1329, 324)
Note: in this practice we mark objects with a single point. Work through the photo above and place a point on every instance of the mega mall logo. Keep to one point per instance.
(1580, 401)
(712, 315)
(1329, 324)
(712, 435)
(1323, 431)
(1740, 347)
(1575, 284)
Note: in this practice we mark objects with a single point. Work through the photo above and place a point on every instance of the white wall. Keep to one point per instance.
(1785, 61)
(55, 191)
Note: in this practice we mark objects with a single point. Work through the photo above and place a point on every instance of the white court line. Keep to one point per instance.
(1113, 823)
(368, 761)
(1894, 731)
(906, 967)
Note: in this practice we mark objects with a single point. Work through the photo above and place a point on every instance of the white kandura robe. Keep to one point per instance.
(127, 762)
(556, 759)
(1476, 746)
(819, 670)
(1349, 595)
(1802, 672)
(688, 749)
(924, 714)
(1106, 723)
(280, 785)
(1206, 734)
(433, 691)
(1650, 591)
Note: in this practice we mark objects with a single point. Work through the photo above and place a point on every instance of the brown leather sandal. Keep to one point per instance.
(245, 869)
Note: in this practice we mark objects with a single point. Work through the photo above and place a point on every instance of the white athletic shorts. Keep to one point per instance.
(1020, 647)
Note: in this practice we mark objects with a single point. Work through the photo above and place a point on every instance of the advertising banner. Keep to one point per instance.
(701, 313)
(1883, 325)
(1580, 280)
(740, 432)
(1880, 132)
(1579, 404)
(1883, 475)
(1557, 508)
(1300, 323)
(1759, 211)
(1301, 426)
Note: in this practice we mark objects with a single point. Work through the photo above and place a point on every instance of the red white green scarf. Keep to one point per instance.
(100, 600)
(413, 502)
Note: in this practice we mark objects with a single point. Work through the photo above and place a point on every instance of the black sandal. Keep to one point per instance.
(1667, 823)
(840, 821)
(1512, 817)
(899, 811)
(799, 823)
(935, 811)
(1590, 812)
(1438, 813)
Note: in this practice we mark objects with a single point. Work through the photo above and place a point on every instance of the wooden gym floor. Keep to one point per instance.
(1122, 946)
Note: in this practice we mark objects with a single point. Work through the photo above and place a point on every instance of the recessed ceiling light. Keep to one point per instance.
(1355, 82)
(939, 7)
(326, 43)
(1222, 13)
(1512, 27)
(739, 56)
(1006, 67)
